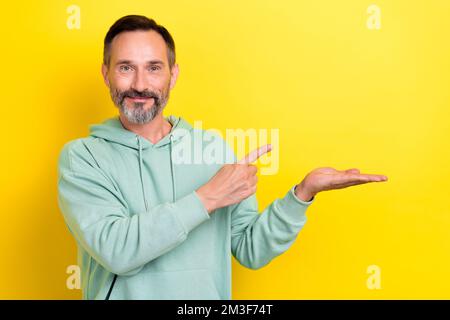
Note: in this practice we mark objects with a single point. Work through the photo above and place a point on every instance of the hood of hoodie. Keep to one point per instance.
(113, 131)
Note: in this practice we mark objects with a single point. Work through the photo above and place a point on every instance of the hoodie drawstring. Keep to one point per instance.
(174, 190)
(140, 172)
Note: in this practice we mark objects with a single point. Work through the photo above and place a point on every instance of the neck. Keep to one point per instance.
(153, 131)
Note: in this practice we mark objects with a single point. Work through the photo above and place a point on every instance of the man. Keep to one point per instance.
(148, 226)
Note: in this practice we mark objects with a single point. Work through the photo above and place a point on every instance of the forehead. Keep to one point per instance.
(138, 46)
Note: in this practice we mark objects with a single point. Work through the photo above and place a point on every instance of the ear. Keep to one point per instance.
(105, 74)
(174, 75)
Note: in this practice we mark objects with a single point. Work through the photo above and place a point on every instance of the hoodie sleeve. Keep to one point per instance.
(98, 217)
(257, 238)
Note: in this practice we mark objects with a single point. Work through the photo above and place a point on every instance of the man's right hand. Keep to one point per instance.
(232, 183)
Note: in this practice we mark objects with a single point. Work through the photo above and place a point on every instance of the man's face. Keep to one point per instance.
(138, 76)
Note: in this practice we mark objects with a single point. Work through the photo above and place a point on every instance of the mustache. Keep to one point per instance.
(138, 94)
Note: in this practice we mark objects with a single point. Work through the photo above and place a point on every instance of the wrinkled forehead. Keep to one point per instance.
(138, 47)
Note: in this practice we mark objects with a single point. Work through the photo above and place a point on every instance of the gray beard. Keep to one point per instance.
(136, 114)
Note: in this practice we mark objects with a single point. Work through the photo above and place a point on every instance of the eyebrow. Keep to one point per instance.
(150, 62)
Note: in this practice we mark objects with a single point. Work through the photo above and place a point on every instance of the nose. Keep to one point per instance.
(140, 81)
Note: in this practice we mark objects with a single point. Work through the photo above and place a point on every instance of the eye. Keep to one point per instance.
(125, 68)
(154, 68)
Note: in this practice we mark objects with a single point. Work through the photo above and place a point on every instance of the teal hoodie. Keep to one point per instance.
(139, 224)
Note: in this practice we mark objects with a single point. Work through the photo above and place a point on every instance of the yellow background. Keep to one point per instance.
(341, 95)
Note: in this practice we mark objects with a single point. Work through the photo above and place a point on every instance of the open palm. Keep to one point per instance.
(327, 178)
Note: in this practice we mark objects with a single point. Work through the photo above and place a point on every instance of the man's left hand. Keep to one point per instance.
(322, 179)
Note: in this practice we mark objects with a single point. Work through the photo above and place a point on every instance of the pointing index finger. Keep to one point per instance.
(255, 154)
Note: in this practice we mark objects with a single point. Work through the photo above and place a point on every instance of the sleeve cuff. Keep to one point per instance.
(292, 191)
(192, 212)
(293, 208)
